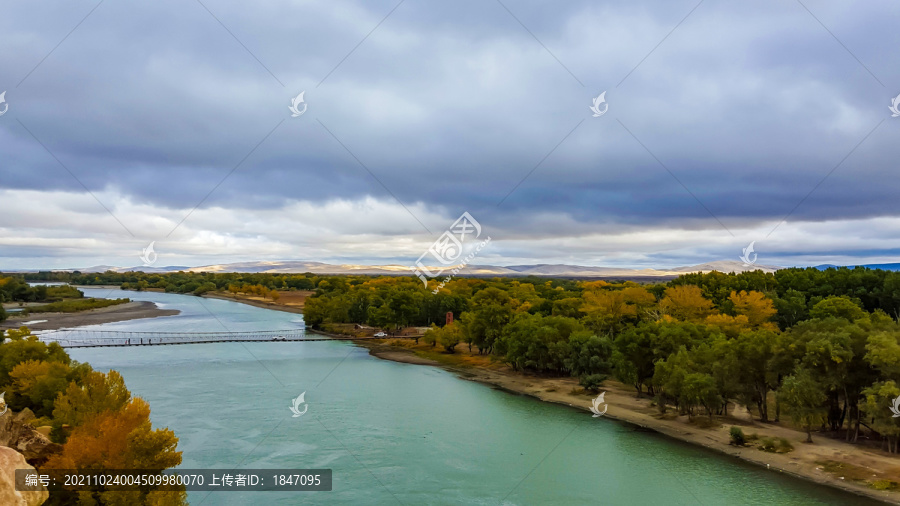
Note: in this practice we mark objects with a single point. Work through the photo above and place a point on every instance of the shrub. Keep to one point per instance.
(592, 382)
(737, 436)
(775, 445)
(884, 485)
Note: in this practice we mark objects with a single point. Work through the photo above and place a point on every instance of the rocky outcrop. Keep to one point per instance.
(18, 434)
(25, 416)
(10, 460)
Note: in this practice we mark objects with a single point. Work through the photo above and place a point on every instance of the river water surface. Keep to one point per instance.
(399, 433)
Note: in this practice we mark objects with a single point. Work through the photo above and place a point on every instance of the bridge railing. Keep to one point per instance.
(76, 338)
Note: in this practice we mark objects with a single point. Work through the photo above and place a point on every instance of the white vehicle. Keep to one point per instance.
(381, 334)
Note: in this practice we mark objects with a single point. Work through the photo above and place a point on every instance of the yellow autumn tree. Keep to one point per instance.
(38, 382)
(758, 308)
(99, 393)
(731, 326)
(524, 296)
(686, 303)
(607, 309)
(119, 440)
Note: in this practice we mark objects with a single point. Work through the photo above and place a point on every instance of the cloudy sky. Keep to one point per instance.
(727, 122)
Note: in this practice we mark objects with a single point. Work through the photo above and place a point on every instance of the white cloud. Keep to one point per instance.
(72, 226)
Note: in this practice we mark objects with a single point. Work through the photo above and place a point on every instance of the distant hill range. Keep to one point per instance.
(884, 267)
(546, 270)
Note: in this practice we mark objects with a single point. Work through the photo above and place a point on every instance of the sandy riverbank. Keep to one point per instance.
(121, 312)
(258, 302)
(849, 465)
(827, 461)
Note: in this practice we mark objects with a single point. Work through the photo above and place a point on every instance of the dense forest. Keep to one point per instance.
(820, 346)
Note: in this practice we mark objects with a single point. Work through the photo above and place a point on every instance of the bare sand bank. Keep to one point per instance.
(121, 312)
(257, 302)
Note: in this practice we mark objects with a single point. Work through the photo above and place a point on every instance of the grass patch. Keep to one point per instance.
(74, 305)
(851, 472)
(703, 422)
(775, 445)
(61, 292)
(884, 485)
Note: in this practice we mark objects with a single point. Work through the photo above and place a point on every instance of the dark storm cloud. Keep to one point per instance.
(739, 113)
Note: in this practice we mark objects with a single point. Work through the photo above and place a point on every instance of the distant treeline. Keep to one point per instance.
(196, 283)
(16, 289)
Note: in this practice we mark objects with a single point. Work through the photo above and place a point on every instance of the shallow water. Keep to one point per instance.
(403, 433)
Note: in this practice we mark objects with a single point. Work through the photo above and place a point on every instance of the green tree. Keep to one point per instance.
(749, 357)
(491, 311)
(450, 336)
(21, 346)
(699, 389)
(36, 384)
(792, 308)
(804, 398)
(879, 408)
(432, 335)
(588, 354)
(838, 307)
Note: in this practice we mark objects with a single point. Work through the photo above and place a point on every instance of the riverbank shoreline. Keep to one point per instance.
(625, 407)
(256, 303)
(134, 310)
(806, 462)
